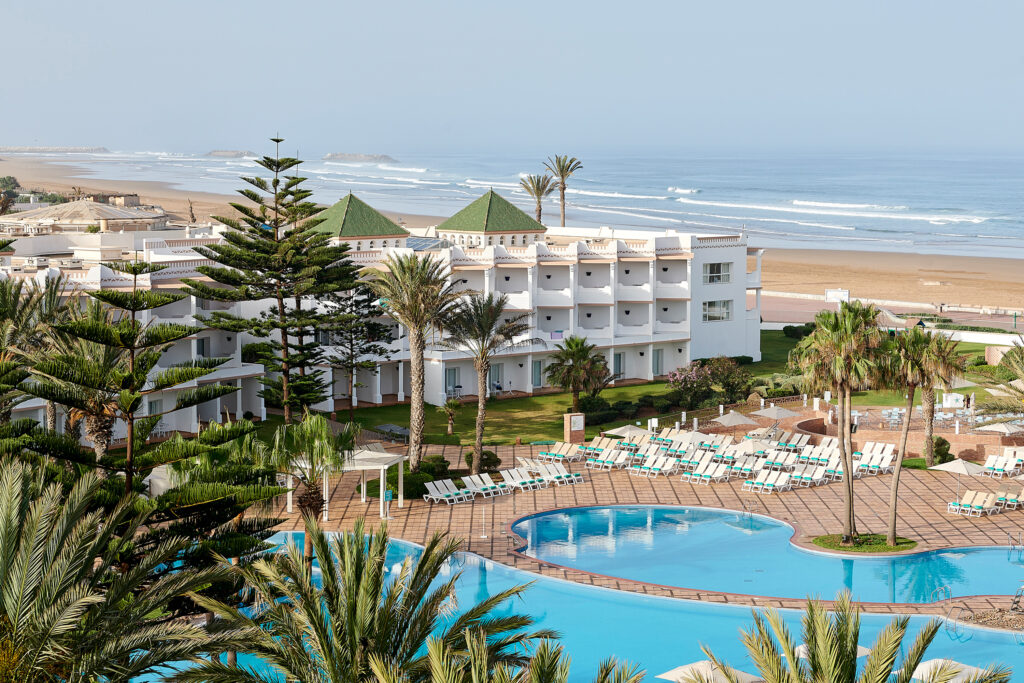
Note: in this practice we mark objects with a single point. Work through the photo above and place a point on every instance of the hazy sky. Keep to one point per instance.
(418, 75)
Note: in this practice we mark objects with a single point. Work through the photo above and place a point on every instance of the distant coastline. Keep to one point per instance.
(360, 158)
(230, 154)
(53, 150)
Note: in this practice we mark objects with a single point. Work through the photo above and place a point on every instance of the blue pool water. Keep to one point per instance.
(718, 550)
(661, 633)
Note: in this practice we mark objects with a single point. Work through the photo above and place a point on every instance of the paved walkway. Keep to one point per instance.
(811, 511)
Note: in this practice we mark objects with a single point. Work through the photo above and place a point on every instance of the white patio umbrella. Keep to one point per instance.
(1002, 428)
(775, 413)
(708, 670)
(959, 467)
(734, 419)
(801, 651)
(925, 669)
(628, 431)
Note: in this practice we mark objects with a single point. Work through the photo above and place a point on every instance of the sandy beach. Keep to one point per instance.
(962, 280)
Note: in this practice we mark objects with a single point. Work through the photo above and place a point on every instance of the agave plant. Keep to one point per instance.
(69, 610)
(831, 642)
(328, 627)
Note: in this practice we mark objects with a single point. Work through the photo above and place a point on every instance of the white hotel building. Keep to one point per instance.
(651, 300)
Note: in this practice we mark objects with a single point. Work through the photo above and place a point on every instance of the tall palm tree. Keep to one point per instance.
(945, 364)
(573, 364)
(415, 291)
(562, 166)
(539, 187)
(547, 664)
(904, 368)
(831, 640)
(450, 409)
(70, 611)
(311, 452)
(481, 327)
(329, 627)
(839, 354)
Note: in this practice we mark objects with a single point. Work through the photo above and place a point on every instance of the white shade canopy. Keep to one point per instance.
(958, 383)
(708, 670)
(958, 466)
(801, 651)
(628, 432)
(1002, 428)
(775, 413)
(925, 669)
(734, 419)
(364, 459)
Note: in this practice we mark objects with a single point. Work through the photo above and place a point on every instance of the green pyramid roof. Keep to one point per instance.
(491, 213)
(352, 217)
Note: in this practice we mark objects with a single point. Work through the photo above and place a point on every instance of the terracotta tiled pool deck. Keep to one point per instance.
(811, 511)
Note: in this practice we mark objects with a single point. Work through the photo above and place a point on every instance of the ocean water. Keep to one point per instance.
(942, 204)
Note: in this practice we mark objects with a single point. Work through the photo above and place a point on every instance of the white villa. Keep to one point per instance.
(652, 300)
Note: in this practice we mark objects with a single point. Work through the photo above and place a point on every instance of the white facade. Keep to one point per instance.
(177, 254)
(651, 302)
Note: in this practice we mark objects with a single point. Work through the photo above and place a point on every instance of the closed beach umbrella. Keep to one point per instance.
(959, 467)
(925, 670)
(775, 413)
(708, 671)
(1002, 428)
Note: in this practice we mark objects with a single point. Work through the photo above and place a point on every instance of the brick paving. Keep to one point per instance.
(811, 511)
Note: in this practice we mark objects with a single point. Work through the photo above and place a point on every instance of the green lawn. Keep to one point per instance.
(775, 348)
(867, 543)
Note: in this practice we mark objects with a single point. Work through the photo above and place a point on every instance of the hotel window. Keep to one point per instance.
(717, 273)
(717, 311)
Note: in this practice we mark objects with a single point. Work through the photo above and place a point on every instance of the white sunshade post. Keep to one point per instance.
(327, 499)
(362, 486)
(401, 484)
(291, 486)
(383, 489)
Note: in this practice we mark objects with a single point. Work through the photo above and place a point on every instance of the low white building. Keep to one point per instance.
(651, 300)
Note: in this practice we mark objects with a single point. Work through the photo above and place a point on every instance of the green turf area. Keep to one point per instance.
(914, 463)
(866, 543)
(775, 348)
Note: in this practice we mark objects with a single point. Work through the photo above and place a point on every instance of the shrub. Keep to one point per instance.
(592, 404)
(971, 328)
(92, 229)
(645, 401)
(248, 415)
(743, 360)
(436, 465)
(441, 439)
(415, 483)
(599, 417)
(975, 361)
(627, 410)
(798, 331)
(942, 453)
(997, 372)
(662, 405)
(489, 463)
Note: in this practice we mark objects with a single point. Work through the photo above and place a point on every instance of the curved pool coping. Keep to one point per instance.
(521, 544)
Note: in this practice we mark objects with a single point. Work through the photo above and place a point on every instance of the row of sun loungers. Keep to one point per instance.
(1006, 465)
(531, 477)
(976, 503)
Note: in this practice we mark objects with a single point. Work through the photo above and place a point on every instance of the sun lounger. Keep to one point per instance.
(964, 504)
(435, 495)
(448, 486)
(518, 479)
(503, 489)
(780, 482)
(756, 483)
(984, 504)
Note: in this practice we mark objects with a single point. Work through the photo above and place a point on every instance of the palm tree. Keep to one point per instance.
(416, 292)
(329, 627)
(562, 166)
(481, 327)
(70, 611)
(831, 640)
(450, 409)
(539, 187)
(839, 354)
(573, 364)
(547, 664)
(311, 452)
(903, 368)
(945, 364)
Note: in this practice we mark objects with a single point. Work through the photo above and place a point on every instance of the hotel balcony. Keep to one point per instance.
(594, 333)
(676, 327)
(594, 295)
(672, 290)
(633, 330)
(637, 292)
(553, 297)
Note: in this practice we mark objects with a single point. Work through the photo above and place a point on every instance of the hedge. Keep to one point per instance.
(415, 483)
(441, 439)
(972, 328)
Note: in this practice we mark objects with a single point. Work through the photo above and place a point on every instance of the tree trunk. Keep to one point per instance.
(351, 394)
(928, 401)
(451, 424)
(538, 209)
(416, 417)
(894, 490)
(51, 416)
(575, 401)
(285, 390)
(848, 424)
(98, 431)
(561, 199)
(129, 465)
(481, 414)
(844, 458)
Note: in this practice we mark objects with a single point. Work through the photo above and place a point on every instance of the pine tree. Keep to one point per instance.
(358, 338)
(273, 253)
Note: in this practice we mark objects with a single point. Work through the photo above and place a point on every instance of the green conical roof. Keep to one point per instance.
(352, 217)
(491, 213)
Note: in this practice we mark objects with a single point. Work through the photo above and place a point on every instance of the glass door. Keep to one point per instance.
(656, 362)
(538, 373)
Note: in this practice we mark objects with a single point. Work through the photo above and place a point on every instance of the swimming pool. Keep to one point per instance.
(661, 633)
(730, 552)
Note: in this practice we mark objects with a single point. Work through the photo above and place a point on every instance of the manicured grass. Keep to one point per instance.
(775, 348)
(867, 543)
(914, 464)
